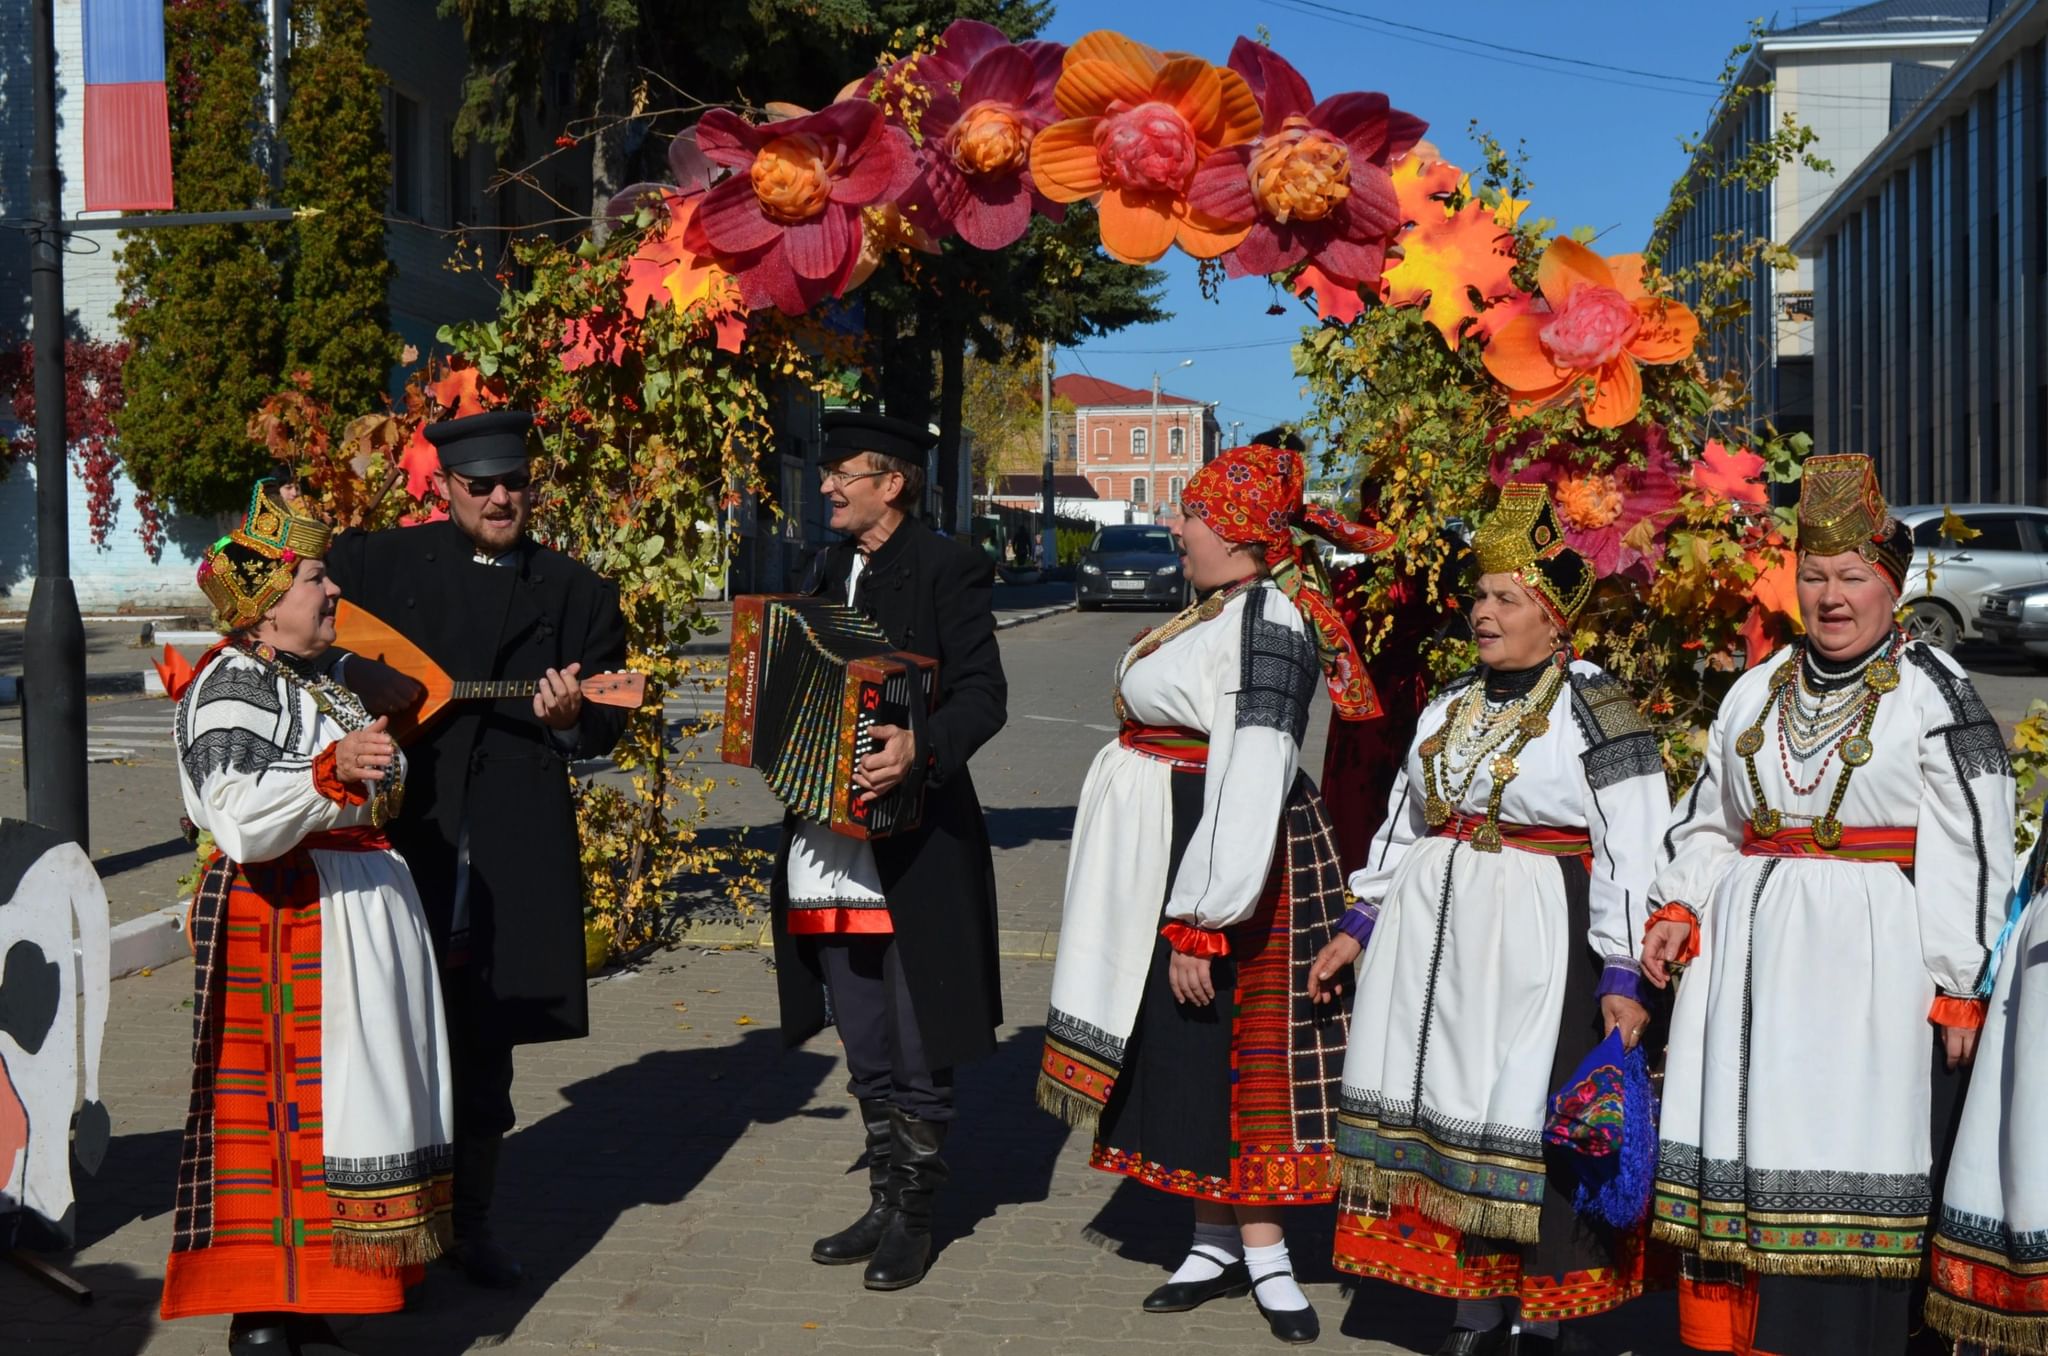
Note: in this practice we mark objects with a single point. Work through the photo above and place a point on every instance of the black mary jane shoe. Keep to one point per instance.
(1297, 1327)
(259, 1335)
(1177, 1297)
(1476, 1342)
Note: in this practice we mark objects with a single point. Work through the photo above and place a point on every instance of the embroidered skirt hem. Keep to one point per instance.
(1411, 1250)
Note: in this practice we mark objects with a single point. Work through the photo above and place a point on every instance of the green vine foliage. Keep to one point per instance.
(648, 435)
(201, 306)
(337, 328)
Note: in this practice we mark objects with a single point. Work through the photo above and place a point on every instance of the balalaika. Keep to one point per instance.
(807, 682)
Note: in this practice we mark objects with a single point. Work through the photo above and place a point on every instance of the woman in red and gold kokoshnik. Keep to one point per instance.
(1202, 882)
(314, 1178)
(1840, 870)
(1498, 915)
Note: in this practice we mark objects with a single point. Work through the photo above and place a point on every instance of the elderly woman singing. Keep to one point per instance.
(1204, 878)
(1839, 871)
(1498, 915)
(315, 1173)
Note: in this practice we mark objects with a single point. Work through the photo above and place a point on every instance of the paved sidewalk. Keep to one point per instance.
(665, 1183)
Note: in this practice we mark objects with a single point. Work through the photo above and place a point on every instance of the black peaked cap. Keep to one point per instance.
(849, 431)
(482, 444)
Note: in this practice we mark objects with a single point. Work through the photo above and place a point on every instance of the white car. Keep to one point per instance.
(2011, 548)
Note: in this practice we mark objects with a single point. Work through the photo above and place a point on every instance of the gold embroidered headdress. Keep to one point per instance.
(1524, 538)
(1842, 509)
(248, 570)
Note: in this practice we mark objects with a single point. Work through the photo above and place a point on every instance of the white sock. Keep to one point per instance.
(1280, 1294)
(1480, 1315)
(1215, 1247)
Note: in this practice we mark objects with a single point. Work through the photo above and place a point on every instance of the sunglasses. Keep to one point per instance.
(481, 487)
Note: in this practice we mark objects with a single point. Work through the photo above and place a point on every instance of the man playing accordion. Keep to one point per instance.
(893, 939)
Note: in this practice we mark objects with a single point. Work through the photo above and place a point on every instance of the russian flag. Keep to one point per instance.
(127, 114)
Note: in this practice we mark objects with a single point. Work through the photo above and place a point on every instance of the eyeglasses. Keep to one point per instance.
(842, 479)
(481, 487)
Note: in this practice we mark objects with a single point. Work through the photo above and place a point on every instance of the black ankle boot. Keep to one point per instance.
(857, 1241)
(258, 1335)
(916, 1173)
(476, 1250)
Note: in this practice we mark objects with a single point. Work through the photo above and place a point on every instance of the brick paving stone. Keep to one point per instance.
(664, 1191)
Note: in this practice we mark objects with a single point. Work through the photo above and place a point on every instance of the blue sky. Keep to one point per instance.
(1602, 146)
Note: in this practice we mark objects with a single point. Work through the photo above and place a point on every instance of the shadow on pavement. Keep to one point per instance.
(645, 1133)
(1000, 1154)
(118, 1322)
(1014, 826)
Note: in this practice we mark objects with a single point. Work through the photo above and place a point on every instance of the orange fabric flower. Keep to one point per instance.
(1585, 343)
(1137, 126)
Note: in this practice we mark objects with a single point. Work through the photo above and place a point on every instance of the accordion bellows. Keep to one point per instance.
(807, 683)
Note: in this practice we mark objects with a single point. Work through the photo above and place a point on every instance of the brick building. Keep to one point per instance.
(1128, 449)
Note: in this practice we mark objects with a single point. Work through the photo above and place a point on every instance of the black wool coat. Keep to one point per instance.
(931, 596)
(495, 762)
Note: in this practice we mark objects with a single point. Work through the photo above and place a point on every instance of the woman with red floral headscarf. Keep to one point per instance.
(1203, 880)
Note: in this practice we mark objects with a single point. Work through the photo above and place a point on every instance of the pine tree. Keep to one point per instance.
(203, 310)
(338, 325)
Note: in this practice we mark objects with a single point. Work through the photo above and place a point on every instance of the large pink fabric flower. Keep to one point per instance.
(1314, 184)
(787, 222)
(1614, 516)
(983, 100)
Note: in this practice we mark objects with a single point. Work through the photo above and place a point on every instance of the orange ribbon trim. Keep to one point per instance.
(1194, 941)
(1874, 844)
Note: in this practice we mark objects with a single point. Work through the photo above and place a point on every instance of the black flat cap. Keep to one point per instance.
(482, 444)
(849, 431)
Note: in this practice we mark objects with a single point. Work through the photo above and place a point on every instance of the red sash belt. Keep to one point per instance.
(1882, 844)
(1186, 750)
(361, 838)
(1526, 837)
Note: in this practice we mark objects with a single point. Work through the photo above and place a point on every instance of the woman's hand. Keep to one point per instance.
(1333, 960)
(1189, 976)
(1661, 949)
(365, 755)
(1960, 1042)
(1626, 1013)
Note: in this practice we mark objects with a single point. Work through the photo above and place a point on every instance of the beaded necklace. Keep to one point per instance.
(1843, 730)
(1208, 609)
(1476, 738)
(387, 794)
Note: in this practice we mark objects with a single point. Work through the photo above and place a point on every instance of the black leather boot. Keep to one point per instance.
(258, 1335)
(916, 1172)
(857, 1241)
(476, 1250)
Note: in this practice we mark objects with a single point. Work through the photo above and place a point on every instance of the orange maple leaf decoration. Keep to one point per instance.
(662, 269)
(1445, 256)
(1730, 474)
(1334, 300)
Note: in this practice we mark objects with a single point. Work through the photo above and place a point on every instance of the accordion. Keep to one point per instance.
(807, 682)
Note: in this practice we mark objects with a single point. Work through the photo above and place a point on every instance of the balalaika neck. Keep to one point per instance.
(488, 690)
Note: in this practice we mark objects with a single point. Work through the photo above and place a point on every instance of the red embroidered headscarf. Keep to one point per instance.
(1255, 495)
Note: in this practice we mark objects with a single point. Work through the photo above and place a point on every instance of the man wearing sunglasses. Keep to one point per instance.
(488, 827)
(900, 932)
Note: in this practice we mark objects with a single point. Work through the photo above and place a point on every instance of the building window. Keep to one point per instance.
(1176, 442)
(1138, 437)
(1138, 489)
(1173, 493)
(405, 155)
(1102, 486)
(1102, 444)
(1072, 440)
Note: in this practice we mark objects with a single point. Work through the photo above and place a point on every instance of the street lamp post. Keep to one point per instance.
(1152, 443)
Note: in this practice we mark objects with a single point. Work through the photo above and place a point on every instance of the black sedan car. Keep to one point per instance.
(2017, 620)
(1137, 563)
